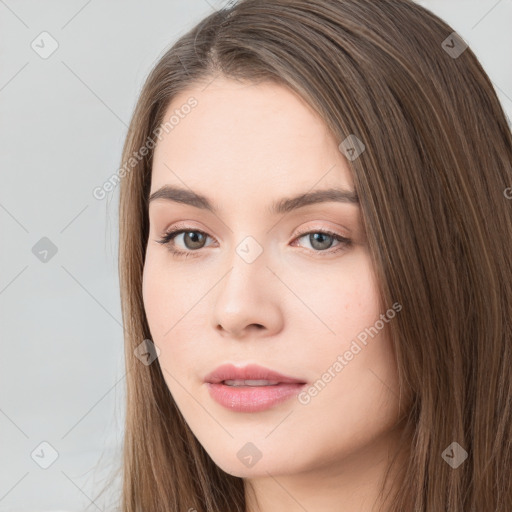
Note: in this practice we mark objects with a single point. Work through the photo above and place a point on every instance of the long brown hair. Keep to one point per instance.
(431, 184)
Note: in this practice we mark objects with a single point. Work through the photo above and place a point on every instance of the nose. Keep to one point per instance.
(248, 300)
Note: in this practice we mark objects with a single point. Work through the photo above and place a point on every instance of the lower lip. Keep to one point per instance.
(252, 398)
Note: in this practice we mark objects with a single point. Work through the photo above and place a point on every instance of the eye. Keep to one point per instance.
(320, 240)
(193, 239)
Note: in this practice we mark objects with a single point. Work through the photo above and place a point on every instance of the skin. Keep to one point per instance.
(245, 146)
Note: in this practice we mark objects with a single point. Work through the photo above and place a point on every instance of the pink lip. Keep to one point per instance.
(250, 398)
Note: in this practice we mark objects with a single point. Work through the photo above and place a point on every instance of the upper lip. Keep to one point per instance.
(249, 372)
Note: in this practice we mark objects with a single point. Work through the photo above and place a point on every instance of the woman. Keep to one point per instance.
(317, 199)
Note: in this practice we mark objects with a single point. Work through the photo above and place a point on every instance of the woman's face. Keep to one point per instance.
(258, 284)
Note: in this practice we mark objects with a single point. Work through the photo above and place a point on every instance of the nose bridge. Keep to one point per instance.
(247, 268)
(244, 296)
(249, 250)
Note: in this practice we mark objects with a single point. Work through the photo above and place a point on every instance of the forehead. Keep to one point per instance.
(247, 138)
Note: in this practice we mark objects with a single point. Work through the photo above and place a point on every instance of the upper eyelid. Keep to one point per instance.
(184, 226)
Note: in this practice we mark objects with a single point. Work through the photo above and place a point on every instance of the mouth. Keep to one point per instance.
(251, 388)
(249, 375)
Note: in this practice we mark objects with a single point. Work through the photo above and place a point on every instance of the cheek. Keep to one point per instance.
(165, 295)
(359, 304)
(354, 355)
(338, 302)
(172, 306)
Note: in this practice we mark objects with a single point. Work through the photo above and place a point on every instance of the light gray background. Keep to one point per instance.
(63, 120)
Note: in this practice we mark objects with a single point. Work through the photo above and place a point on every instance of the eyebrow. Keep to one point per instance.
(282, 206)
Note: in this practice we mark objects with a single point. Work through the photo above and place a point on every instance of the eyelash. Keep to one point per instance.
(170, 235)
